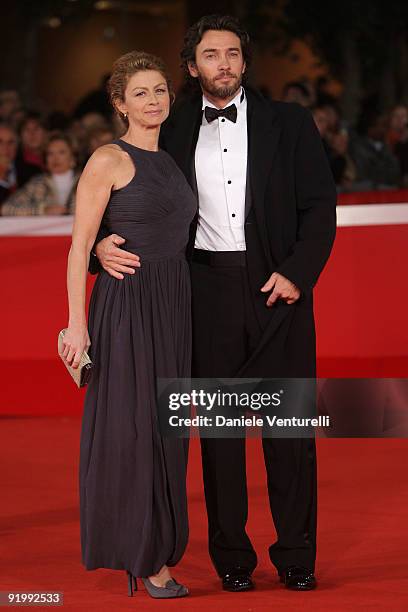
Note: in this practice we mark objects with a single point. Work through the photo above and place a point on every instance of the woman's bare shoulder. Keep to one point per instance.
(104, 160)
(107, 154)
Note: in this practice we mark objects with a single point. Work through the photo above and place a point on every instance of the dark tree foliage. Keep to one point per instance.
(363, 42)
(375, 25)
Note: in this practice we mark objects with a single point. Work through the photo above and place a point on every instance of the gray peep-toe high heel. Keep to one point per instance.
(171, 589)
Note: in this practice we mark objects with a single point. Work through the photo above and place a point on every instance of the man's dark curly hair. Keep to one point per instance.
(212, 22)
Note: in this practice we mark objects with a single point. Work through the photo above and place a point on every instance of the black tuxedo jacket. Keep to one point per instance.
(291, 225)
(293, 194)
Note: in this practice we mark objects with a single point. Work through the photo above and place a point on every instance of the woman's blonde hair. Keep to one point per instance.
(129, 64)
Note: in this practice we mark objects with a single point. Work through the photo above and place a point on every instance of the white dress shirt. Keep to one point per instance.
(221, 168)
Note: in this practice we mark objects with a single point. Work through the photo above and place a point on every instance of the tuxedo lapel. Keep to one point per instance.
(263, 139)
(183, 132)
(180, 135)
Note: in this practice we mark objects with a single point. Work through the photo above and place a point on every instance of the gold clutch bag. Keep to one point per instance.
(82, 374)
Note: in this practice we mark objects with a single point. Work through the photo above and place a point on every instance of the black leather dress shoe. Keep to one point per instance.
(237, 579)
(298, 578)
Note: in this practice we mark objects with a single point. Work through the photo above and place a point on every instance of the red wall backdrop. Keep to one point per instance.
(360, 303)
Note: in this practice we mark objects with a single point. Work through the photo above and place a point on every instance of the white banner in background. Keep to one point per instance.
(347, 216)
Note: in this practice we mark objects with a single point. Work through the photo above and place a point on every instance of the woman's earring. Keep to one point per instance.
(125, 115)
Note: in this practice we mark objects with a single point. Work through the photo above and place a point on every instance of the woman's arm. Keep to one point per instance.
(92, 196)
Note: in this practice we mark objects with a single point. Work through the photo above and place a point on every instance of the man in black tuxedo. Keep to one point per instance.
(263, 233)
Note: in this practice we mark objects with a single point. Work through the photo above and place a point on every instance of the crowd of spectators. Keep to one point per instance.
(371, 155)
(41, 156)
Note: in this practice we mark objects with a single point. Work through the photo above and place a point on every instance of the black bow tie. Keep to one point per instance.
(230, 112)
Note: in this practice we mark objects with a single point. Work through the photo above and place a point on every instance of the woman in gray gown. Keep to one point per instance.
(133, 506)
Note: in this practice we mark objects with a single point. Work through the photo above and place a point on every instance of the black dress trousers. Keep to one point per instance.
(226, 330)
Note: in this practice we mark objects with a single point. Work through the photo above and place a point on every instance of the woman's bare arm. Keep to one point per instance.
(93, 194)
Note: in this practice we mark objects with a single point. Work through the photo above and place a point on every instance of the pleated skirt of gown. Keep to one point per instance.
(132, 481)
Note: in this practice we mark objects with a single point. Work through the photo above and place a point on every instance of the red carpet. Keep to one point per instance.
(362, 536)
(363, 488)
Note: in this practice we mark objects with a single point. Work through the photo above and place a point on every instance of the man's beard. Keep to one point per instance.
(220, 91)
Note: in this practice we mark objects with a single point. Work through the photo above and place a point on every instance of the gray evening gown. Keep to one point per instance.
(132, 481)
